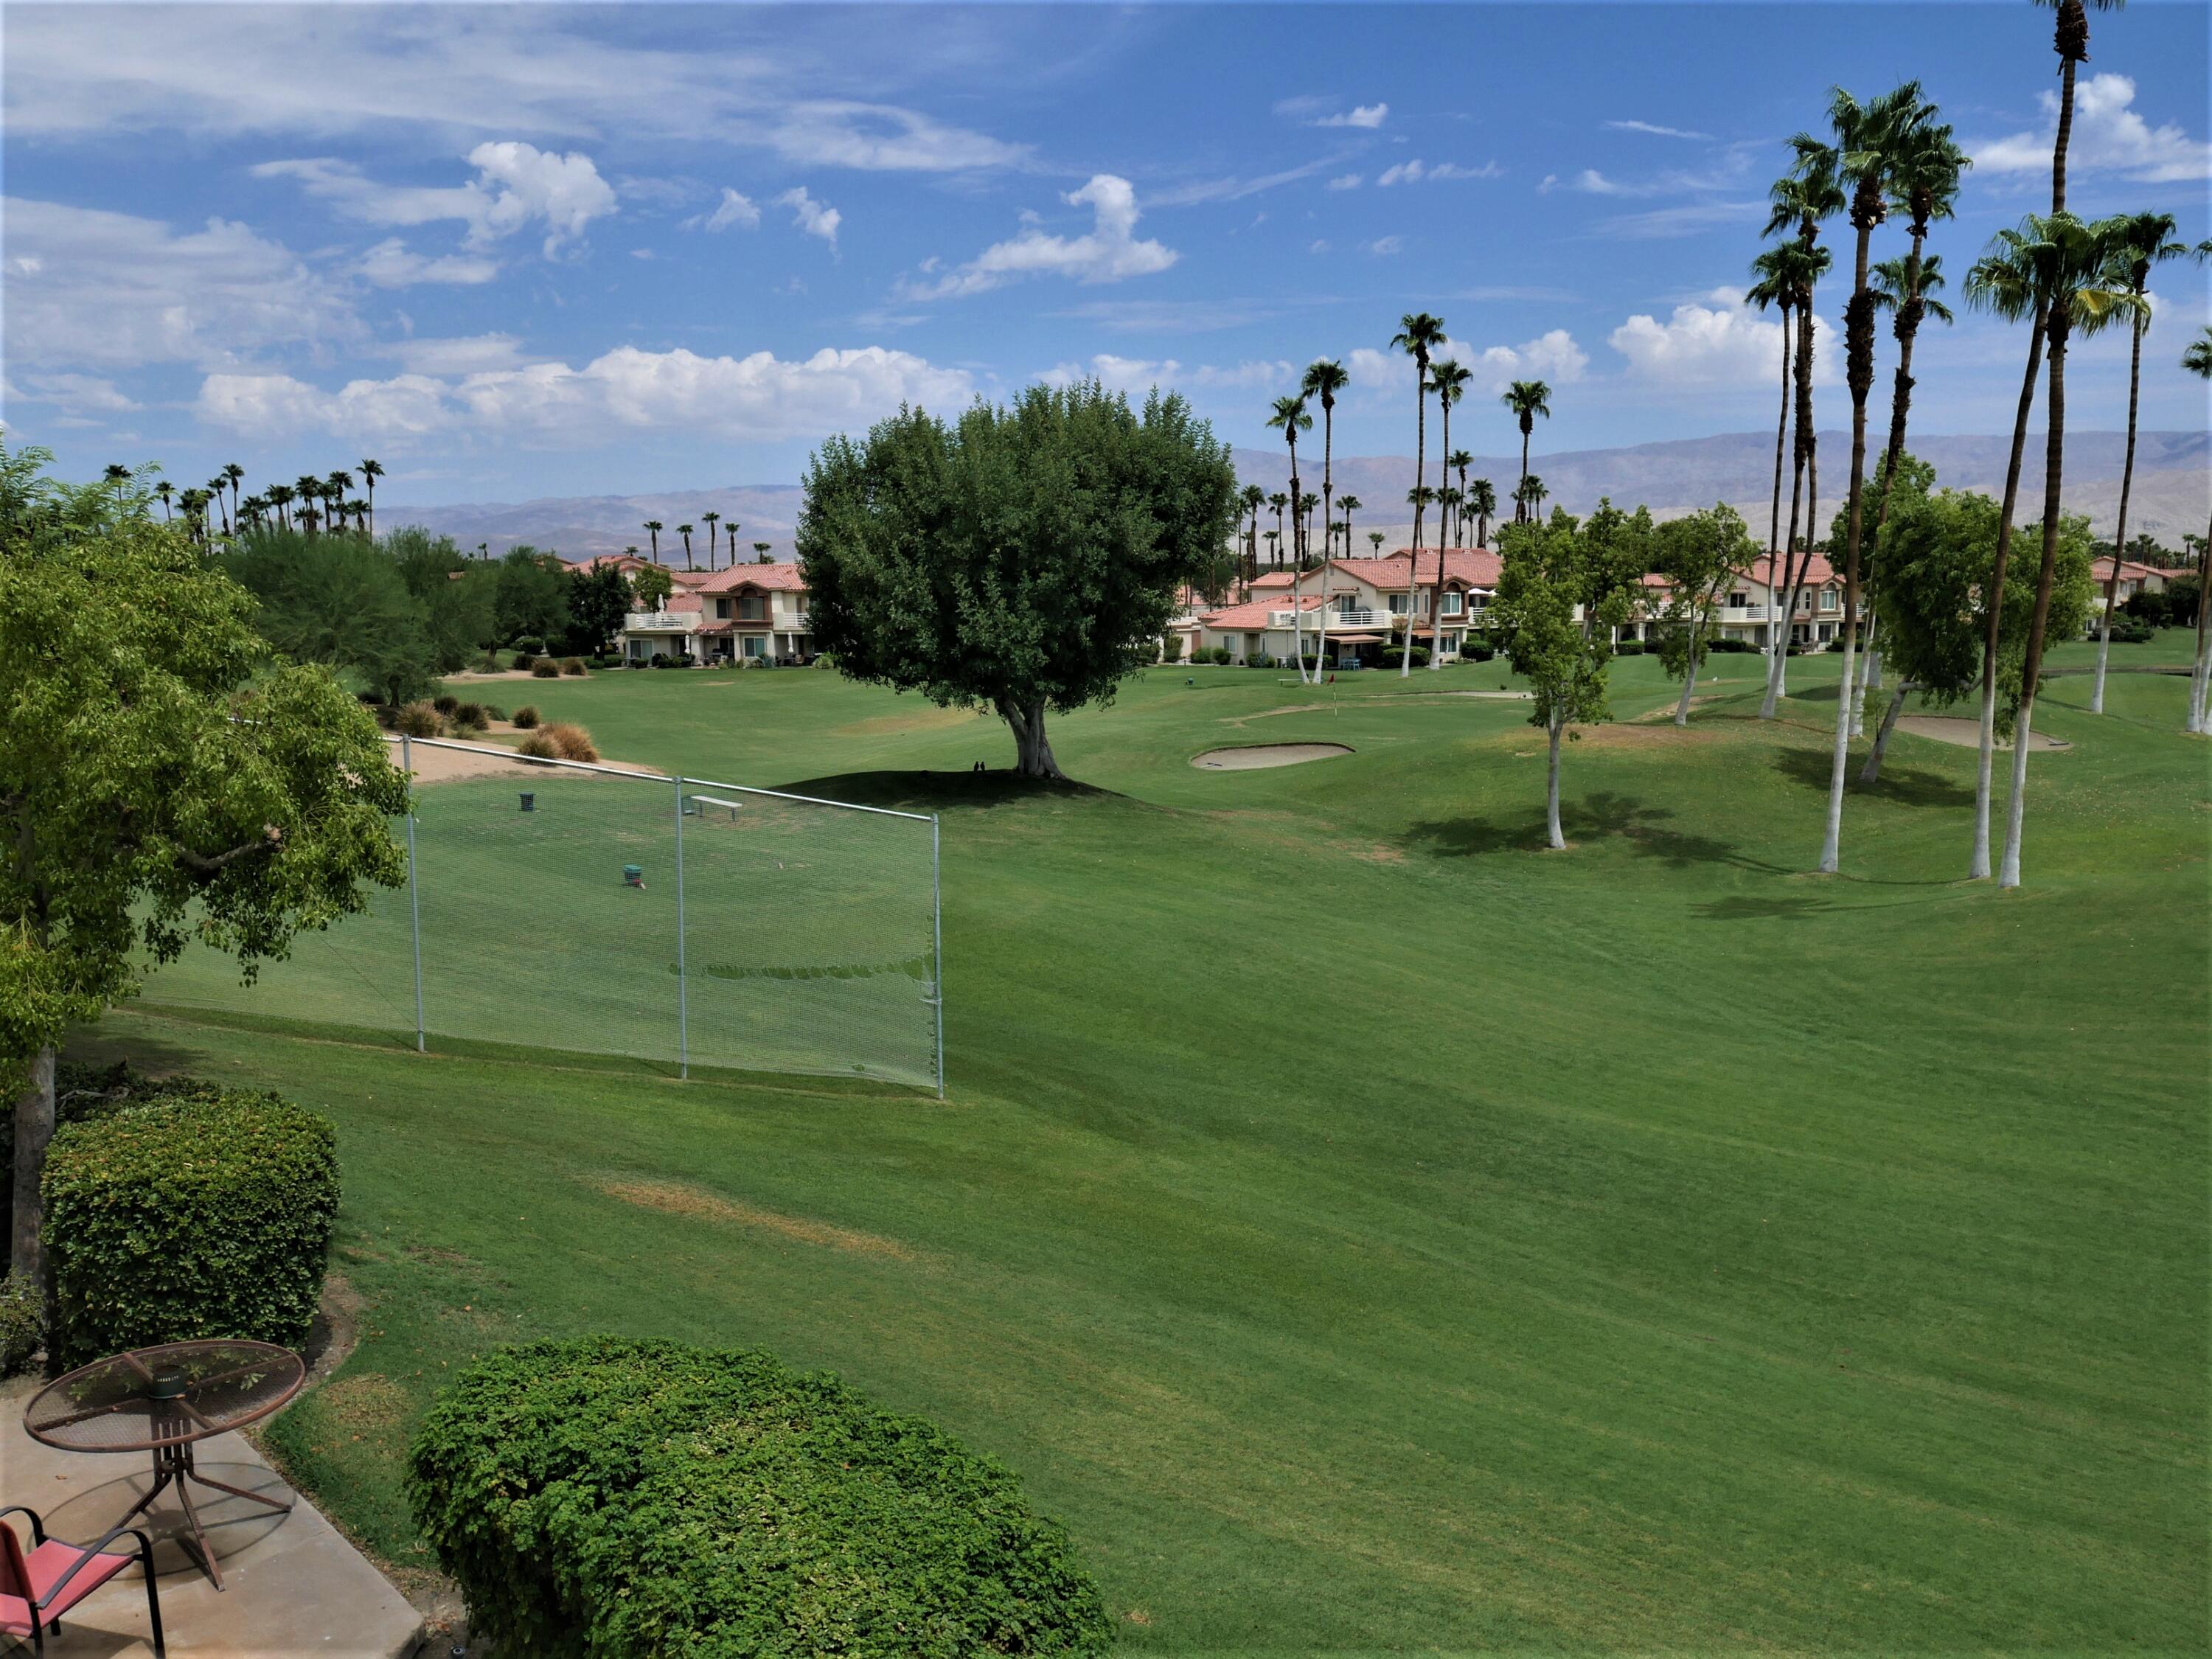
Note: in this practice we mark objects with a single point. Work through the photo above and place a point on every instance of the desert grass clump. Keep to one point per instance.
(560, 741)
(545, 669)
(420, 720)
(573, 666)
(446, 704)
(525, 717)
(470, 717)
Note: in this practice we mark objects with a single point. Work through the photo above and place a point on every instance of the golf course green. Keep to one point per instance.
(1365, 1229)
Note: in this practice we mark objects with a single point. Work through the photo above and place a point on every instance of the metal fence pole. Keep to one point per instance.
(414, 903)
(683, 989)
(937, 947)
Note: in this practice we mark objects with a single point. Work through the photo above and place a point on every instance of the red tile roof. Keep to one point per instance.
(780, 578)
(1477, 567)
(2130, 570)
(1255, 614)
(1819, 573)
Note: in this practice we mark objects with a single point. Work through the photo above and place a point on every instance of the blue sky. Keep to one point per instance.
(522, 251)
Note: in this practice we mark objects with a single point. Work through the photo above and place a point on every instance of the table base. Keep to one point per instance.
(173, 1466)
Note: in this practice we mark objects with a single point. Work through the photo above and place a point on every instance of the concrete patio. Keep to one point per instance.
(294, 1585)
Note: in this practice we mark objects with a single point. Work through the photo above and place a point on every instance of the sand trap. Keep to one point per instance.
(1254, 756)
(1968, 734)
(439, 764)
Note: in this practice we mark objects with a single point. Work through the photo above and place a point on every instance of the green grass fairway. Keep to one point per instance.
(1370, 1232)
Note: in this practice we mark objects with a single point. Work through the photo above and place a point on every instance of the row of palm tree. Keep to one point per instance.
(1892, 157)
(652, 527)
(308, 503)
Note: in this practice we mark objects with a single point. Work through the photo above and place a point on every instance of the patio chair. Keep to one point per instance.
(38, 1589)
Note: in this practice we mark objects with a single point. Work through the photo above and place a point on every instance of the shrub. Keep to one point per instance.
(2126, 630)
(1259, 659)
(445, 704)
(545, 669)
(530, 645)
(194, 1217)
(560, 741)
(524, 661)
(1171, 649)
(623, 1499)
(827, 659)
(492, 711)
(471, 714)
(571, 666)
(525, 717)
(386, 715)
(22, 1323)
(420, 720)
(1392, 653)
(1475, 651)
(1628, 649)
(488, 663)
(2144, 606)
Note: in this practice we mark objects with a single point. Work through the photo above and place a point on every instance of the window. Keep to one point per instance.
(752, 608)
(1451, 644)
(1478, 603)
(722, 609)
(1454, 602)
(1397, 604)
(1827, 598)
(755, 646)
(1737, 601)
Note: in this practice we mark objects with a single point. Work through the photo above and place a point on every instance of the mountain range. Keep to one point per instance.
(2173, 490)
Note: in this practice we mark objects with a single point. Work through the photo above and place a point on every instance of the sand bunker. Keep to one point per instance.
(1254, 756)
(1968, 734)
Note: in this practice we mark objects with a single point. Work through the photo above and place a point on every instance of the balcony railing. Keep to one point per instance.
(661, 622)
(1336, 622)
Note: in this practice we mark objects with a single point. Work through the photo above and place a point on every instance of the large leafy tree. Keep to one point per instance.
(341, 602)
(1023, 559)
(1557, 604)
(532, 598)
(2140, 241)
(160, 781)
(455, 593)
(598, 600)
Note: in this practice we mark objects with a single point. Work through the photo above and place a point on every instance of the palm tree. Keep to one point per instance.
(1527, 399)
(1351, 504)
(1482, 503)
(1804, 197)
(1252, 498)
(710, 519)
(370, 472)
(1324, 378)
(652, 527)
(1418, 334)
(2144, 239)
(234, 475)
(2198, 360)
(1278, 501)
(1375, 541)
(116, 477)
(1770, 288)
(2070, 40)
(760, 553)
(279, 497)
(2088, 291)
(1529, 498)
(1289, 418)
(1459, 460)
(1867, 139)
(1924, 171)
(1449, 377)
(684, 531)
(309, 489)
(166, 491)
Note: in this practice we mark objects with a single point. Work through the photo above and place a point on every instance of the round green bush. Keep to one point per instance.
(621, 1498)
(22, 1323)
(192, 1218)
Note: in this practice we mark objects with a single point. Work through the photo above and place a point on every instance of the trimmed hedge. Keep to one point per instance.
(22, 1323)
(617, 1499)
(195, 1218)
(83, 1091)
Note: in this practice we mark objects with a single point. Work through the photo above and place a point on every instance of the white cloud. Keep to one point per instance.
(1591, 182)
(1383, 246)
(1720, 344)
(1654, 130)
(880, 137)
(390, 265)
(1385, 379)
(473, 354)
(1367, 116)
(516, 184)
(735, 208)
(815, 218)
(2108, 135)
(1415, 171)
(90, 289)
(1345, 181)
(76, 394)
(1136, 375)
(1109, 253)
(757, 399)
(1319, 245)
(1662, 223)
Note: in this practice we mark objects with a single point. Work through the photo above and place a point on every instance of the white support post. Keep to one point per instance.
(682, 987)
(937, 947)
(414, 903)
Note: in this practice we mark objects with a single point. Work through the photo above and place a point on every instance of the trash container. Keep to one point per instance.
(633, 875)
(529, 800)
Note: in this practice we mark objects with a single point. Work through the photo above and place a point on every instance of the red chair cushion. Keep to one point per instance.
(46, 1564)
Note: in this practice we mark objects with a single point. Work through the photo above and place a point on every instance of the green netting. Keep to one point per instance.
(808, 931)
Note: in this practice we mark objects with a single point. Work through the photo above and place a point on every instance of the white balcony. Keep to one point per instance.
(659, 621)
(1336, 622)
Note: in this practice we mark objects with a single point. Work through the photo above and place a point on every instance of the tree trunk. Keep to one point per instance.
(1871, 680)
(1993, 602)
(1690, 674)
(1437, 588)
(1033, 751)
(2031, 667)
(1551, 787)
(1777, 587)
(1420, 477)
(2201, 685)
(35, 1127)
(1781, 437)
(1871, 772)
(2120, 535)
(1859, 374)
(1808, 460)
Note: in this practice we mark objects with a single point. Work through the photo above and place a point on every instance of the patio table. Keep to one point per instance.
(163, 1399)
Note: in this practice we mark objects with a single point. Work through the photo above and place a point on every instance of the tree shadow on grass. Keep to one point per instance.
(1904, 786)
(1787, 907)
(935, 791)
(1605, 814)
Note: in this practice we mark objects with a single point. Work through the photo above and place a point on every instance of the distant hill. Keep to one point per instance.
(2172, 489)
(2173, 492)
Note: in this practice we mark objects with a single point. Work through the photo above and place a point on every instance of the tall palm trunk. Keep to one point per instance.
(1520, 502)
(1437, 588)
(1859, 354)
(1993, 601)
(1798, 563)
(1298, 560)
(1781, 443)
(2054, 456)
(1420, 477)
(2120, 535)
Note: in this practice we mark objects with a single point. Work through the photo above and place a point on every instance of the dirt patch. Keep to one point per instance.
(1254, 757)
(674, 1198)
(365, 1403)
(1968, 734)
(922, 719)
(441, 764)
